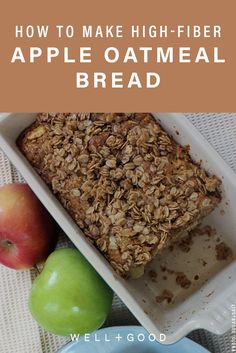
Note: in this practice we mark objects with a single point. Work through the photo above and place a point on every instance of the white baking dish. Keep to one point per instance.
(209, 305)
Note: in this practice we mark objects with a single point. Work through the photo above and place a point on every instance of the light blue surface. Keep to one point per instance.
(97, 343)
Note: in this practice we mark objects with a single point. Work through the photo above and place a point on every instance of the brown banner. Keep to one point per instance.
(197, 85)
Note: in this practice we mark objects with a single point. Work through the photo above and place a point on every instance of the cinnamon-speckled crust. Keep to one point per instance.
(127, 184)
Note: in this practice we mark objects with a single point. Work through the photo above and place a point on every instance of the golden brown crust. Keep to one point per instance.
(129, 186)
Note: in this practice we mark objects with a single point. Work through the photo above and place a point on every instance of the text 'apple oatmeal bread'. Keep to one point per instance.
(128, 185)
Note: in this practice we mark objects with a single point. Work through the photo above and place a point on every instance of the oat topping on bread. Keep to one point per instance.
(127, 184)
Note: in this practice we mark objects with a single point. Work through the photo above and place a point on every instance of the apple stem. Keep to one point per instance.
(8, 243)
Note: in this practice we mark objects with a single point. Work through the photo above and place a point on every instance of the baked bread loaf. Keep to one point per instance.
(128, 185)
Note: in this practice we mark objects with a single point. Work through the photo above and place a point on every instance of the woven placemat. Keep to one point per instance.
(19, 333)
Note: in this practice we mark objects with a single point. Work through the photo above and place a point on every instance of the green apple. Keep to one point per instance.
(69, 297)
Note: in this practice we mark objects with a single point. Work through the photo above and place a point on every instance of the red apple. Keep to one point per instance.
(27, 231)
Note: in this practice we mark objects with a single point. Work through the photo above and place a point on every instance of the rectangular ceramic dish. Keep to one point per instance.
(207, 303)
